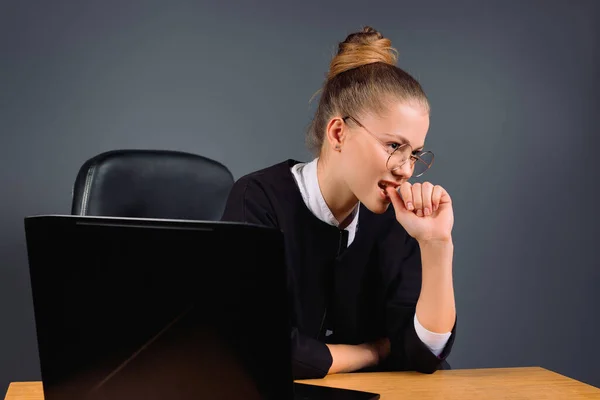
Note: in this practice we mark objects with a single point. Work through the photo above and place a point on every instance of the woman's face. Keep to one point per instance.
(366, 149)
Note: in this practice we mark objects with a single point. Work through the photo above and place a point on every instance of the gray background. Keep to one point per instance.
(514, 88)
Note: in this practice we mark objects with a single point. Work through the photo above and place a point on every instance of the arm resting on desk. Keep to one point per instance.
(350, 358)
(411, 301)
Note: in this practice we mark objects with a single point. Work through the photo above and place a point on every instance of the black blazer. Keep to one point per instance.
(360, 293)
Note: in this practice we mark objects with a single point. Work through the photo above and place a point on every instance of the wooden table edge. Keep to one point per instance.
(36, 389)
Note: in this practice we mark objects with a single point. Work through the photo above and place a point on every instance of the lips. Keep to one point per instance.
(384, 184)
(382, 188)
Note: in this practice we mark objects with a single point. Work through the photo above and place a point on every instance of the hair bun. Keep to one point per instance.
(367, 36)
(360, 48)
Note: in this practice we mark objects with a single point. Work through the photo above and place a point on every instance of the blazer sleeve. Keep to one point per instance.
(400, 259)
(248, 202)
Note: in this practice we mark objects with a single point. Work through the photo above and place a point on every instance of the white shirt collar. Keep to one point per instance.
(308, 183)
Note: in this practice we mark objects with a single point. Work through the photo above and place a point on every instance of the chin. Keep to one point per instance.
(378, 203)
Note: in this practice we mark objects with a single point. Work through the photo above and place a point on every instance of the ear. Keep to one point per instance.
(336, 133)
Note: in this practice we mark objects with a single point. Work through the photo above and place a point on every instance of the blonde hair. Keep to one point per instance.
(362, 77)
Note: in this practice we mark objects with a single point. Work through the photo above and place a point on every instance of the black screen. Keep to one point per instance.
(136, 309)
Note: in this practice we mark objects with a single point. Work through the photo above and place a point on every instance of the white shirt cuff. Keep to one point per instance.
(434, 341)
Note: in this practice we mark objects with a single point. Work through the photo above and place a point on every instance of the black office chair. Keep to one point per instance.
(152, 184)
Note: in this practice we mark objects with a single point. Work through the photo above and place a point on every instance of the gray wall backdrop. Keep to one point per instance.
(514, 87)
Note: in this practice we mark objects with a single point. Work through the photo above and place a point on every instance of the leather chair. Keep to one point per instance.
(152, 184)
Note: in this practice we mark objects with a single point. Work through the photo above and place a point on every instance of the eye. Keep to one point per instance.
(394, 146)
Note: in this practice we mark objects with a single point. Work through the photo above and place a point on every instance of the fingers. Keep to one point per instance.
(426, 193)
(407, 196)
(423, 198)
(395, 198)
(436, 197)
(417, 195)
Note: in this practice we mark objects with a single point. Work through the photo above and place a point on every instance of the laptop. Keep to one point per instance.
(131, 308)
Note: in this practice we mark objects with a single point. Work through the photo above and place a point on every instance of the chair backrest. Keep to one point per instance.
(152, 184)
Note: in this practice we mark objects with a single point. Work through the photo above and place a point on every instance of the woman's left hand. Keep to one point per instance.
(424, 210)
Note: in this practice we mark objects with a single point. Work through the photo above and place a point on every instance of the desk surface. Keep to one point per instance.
(496, 383)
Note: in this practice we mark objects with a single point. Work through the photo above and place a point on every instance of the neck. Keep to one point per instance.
(338, 197)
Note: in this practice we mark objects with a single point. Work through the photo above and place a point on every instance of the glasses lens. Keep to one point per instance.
(423, 163)
(398, 157)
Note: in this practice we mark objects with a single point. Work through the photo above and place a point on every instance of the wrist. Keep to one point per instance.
(436, 250)
(350, 358)
(378, 350)
(383, 347)
(371, 354)
(436, 256)
(444, 243)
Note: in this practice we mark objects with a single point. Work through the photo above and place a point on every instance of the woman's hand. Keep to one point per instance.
(424, 210)
(351, 358)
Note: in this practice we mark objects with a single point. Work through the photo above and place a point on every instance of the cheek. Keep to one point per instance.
(366, 170)
(372, 162)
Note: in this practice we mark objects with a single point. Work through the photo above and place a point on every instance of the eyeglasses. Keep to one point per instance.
(420, 161)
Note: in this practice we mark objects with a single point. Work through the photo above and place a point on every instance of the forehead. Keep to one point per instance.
(401, 120)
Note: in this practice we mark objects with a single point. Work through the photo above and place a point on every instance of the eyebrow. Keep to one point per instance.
(402, 140)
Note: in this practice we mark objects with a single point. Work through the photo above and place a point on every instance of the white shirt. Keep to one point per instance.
(308, 183)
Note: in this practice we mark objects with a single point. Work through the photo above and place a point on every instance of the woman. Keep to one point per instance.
(372, 284)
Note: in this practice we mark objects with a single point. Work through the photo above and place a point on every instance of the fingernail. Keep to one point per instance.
(427, 211)
(410, 206)
(435, 208)
(420, 212)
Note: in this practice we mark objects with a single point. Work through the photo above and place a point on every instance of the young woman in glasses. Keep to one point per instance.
(369, 254)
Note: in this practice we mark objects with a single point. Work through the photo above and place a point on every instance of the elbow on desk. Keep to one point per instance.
(420, 358)
(413, 355)
(431, 368)
(302, 371)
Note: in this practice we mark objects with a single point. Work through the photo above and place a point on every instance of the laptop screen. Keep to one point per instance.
(148, 309)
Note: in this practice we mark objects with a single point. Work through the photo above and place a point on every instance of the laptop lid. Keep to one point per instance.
(130, 308)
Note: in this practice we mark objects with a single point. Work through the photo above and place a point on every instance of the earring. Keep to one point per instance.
(337, 147)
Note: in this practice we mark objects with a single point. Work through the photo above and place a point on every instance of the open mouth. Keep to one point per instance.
(383, 185)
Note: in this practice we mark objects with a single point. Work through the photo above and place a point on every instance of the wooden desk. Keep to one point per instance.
(499, 383)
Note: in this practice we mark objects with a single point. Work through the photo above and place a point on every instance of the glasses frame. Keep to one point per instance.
(413, 157)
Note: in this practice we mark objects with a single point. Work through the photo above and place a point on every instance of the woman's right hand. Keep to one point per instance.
(350, 358)
(383, 348)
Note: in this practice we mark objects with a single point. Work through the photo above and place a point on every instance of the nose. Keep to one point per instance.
(404, 171)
